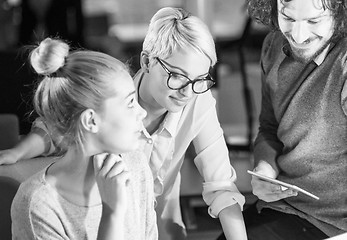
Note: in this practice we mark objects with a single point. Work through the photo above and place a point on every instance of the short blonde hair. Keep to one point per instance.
(172, 29)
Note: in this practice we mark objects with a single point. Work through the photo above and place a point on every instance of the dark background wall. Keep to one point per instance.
(23, 25)
(16, 84)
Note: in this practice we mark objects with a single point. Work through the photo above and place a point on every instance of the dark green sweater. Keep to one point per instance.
(305, 128)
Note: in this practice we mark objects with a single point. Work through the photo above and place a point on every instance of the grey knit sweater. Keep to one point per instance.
(305, 128)
(39, 212)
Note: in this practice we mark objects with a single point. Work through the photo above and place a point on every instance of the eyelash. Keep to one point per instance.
(288, 19)
(131, 103)
(312, 22)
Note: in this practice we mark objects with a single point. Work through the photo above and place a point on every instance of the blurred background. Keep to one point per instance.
(118, 27)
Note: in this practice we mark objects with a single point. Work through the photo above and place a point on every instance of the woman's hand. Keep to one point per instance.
(266, 191)
(112, 177)
(9, 156)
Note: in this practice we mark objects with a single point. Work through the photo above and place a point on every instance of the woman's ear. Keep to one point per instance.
(144, 61)
(89, 120)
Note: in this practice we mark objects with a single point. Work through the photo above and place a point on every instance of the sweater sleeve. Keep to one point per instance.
(267, 146)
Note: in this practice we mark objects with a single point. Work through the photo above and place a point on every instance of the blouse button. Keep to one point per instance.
(149, 141)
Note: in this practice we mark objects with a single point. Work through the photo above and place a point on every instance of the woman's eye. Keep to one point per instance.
(131, 103)
(180, 77)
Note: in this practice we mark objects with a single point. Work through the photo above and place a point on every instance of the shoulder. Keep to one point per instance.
(273, 39)
(272, 49)
(32, 203)
(32, 185)
(33, 194)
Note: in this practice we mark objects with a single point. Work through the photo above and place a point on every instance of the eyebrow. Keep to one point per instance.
(309, 18)
(130, 94)
(182, 70)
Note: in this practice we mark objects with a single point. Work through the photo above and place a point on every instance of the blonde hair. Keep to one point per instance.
(72, 82)
(171, 29)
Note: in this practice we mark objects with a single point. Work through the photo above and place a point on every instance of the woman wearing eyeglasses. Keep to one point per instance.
(173, 86)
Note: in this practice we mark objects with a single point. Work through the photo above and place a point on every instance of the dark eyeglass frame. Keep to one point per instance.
(208, 78)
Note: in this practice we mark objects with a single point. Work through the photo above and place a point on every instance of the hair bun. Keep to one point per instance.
(49, 56)
(183, 14)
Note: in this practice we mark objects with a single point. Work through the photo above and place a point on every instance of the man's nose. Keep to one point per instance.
(300, 32)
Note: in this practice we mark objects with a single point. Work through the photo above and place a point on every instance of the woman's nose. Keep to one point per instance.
(187, 91)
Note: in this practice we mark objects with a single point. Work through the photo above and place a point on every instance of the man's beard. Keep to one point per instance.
(299, 55)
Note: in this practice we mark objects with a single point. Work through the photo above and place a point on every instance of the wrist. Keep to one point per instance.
(17, 153)
(267, 169)
(112, 213)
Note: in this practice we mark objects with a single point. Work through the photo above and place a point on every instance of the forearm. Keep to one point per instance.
(30, 146)
(111, 225)
(232, 223)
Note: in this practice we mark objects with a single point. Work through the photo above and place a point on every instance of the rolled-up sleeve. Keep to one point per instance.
(219, 189)
(212, 161)
(219, 195)
(39, 127)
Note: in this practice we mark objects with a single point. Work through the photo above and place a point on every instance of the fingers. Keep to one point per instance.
(98, 161)
(271, 197)
(261, 185)
(109, 162)
(123, 177)
(8, 156)
(108, 165)
(116, 169)
(270, 192)
(105, 161)
(266, 169)
(3, 159)
(111, 176)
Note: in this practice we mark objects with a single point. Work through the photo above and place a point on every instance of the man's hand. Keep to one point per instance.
(267, 191)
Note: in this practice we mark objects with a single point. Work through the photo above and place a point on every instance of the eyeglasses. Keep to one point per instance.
(177, 81)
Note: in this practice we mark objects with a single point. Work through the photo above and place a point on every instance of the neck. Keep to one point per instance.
(155, 112)
(77, 168)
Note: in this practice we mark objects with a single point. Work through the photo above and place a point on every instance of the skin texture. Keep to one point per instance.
(121, 121)
(156, 94)
(307, 26)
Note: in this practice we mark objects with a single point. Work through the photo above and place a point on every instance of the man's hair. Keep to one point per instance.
(265, 11)
(172, 29)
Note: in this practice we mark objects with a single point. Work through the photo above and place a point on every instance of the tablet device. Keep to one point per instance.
(283, 184)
